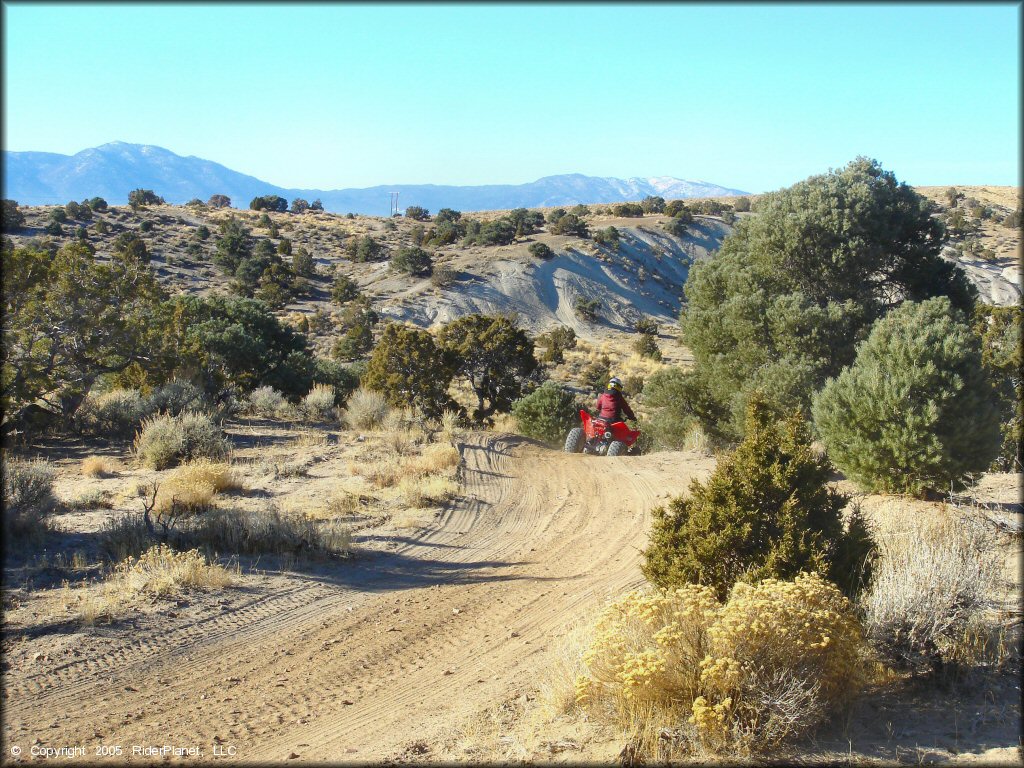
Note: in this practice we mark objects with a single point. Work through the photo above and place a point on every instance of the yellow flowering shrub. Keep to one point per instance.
(784, 654)
(767, 665)
(647, 649)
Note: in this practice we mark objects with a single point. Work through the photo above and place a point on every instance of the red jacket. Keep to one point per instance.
(609, 403)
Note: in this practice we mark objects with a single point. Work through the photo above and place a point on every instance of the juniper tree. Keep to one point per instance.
(794, 288)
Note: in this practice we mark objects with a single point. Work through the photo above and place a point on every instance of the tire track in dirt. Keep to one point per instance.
(375, 656)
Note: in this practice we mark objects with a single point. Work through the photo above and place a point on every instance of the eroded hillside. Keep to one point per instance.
(642, 276)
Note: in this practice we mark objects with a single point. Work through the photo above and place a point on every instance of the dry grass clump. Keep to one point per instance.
(124, 537)
(164, 440)
(422, 491)
(96, 466)
(450, 425)
(269, 531)
(193, 485)
(401, 431)
(437, 457)
(365, 409)
(341, 503)
(311, 438)
(929, 601)
(27, 498)
(383, 473)
(768, 665)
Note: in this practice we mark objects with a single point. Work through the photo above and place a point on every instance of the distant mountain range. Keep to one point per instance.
(112, 170)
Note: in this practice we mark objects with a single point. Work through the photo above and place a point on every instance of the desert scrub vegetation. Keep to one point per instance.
(161, 571)
(154, 572)
(546, 414)
(930, 604)
(267, 403)
(227, 531)
(114, 413)
(164, 441)
(924, 363)
(28, 498)
(685, 673)
(318, 403)
(766, 511)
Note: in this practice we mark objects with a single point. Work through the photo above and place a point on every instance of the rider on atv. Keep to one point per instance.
(611, 403)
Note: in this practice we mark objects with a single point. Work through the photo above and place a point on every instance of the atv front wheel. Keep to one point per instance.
(616, 448)
(574, 440)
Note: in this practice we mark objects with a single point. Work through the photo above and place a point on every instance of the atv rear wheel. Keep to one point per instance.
(616, 448)
(574, 440)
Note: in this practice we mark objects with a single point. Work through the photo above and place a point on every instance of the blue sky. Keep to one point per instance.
(326, 96)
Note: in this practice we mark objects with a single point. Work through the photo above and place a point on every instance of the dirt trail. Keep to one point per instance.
(367, 660)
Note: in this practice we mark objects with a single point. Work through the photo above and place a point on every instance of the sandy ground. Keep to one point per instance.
(432, 643)
(374, 658)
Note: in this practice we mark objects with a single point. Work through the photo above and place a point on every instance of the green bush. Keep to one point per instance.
(675, 227)
(766, 512)
(27, 497)
(417, 213)
(586, 309)
(916, 410)
(653, 204)
(130, 245)
(541, 251)
(556, 342)
(678, 402)
(1000, 329)
(344, 289)
(410, 370)
(498, 232)
(647, 346)
(627, 210)
(546, 414)
(570, 224)
(303, 263)
(139, 198)
(164, 441)
(794, 289)
(494, 356)
(362, 249)
(344, 379)
(413, 261)
(269, 203)
(608, 236)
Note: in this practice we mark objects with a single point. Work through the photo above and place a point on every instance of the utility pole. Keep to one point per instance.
(394, 203)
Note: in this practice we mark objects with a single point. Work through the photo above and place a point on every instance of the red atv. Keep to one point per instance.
(600, 437)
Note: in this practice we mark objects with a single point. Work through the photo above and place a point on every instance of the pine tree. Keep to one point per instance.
(916, 410)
